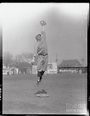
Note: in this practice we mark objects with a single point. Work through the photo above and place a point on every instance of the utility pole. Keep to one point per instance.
(56, 58)
(82, 61)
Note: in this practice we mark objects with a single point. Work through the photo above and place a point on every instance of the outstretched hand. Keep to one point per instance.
(43, 23)
(35, 59)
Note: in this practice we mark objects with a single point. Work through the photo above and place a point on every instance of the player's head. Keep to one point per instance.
(38, 37)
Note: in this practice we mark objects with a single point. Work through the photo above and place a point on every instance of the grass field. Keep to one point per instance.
(67, 94)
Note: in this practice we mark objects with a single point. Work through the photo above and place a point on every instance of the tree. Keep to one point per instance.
(23, 61)
(7, 59)
(27, 57)
(18, 58)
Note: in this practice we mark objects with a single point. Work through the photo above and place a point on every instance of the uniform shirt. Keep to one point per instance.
(41, 47)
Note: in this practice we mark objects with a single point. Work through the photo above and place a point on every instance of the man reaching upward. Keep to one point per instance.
(41, 53)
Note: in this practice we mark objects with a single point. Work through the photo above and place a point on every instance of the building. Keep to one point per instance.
(23, 67)
(9, 70)
(52, 68)
(70, 63)
(34, 69)
(70, 66)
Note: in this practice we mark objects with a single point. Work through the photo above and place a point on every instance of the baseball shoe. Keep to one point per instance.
(38, 81)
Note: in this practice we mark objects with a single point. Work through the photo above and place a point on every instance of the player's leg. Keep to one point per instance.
(38, 75)
(42, 72)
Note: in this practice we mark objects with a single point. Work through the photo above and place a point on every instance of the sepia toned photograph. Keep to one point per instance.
(44, 54)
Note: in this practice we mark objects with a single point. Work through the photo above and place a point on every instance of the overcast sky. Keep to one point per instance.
(66, 28)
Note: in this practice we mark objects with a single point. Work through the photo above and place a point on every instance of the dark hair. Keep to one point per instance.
(37, 36)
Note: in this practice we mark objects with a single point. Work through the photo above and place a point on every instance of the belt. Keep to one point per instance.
(43, 54)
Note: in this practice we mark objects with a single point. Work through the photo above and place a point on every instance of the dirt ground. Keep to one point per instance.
(67, 94)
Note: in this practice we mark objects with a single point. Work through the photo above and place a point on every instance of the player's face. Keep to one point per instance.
(38, 38)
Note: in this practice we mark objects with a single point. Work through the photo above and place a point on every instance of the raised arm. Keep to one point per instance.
(43, 35)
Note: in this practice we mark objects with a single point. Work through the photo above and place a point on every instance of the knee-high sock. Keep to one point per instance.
(42, 72)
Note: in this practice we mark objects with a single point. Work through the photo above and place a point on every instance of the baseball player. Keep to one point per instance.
(41, 53)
